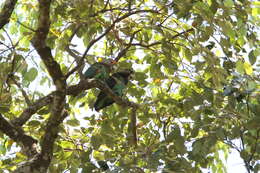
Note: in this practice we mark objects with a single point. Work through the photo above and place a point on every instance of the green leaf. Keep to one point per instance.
(248, 68)
(188, 55)
(244, 155)
(253, 123)
(2, 149)
(2, 37)
(240, 67)
(4, 109)
(44, 111)
(31, 74)
(73, 122)
(252, 57)
(96, 141)
(88, 167)
(34, 123)
(229, 3)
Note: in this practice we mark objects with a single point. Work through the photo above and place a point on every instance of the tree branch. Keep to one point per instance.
(119, 19)
(57, 111)
(73, 90)
(123, 52)
(159, 42)
(27, 100)
(27, 27)
(132, 128)
(102, 86)
(17, 134)
(6, 12)
(73, 54)
(43, 50)
(32, 109)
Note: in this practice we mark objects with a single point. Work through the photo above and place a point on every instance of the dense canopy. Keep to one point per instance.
(194, 96)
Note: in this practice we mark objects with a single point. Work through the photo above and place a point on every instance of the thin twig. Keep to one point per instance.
(27, 27)
(123, 52)
(105, 33)
(27, 100)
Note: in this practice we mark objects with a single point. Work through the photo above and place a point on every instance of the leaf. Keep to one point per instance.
(31, 74)
(44, 111)
(188, 55)
(253, 123)
(98, 155)
(4, 109)
(248, 68)
(252, 57)
(66, 144)
(220, 132)
(34, 123)
(73, 122)
(2, 149)
(240, 67)
(229, 3)
(244, 155)
(2, 37)
(67, 154)
(96, 141)
(227, 28)
(88, 167)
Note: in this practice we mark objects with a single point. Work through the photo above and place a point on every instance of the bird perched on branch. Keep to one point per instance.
(100, 70)
(117, 82)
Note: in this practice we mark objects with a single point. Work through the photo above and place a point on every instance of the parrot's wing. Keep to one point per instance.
(92, 70)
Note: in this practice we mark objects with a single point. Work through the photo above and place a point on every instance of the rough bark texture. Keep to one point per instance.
(6, 12)
(42, 161)
(18, 135)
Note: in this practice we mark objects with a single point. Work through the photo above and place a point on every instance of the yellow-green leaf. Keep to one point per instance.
(31, 74)
(248, 68)
(228, 3)
(240, 67)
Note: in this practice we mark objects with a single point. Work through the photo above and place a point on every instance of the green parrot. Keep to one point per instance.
(100, 70)
(117, 82)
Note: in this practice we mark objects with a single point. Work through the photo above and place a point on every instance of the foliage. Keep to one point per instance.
(196, 82)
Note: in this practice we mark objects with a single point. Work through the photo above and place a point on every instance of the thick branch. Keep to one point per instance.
(92, 83)
(51, 131)
(32, 109)
(71, 90)
(43, 50)
(57, 111)
(6, 12)
(17, 134)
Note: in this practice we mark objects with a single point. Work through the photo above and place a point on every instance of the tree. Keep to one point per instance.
(195, 92)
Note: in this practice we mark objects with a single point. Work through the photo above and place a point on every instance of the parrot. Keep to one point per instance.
(100, 70)
(117, 82)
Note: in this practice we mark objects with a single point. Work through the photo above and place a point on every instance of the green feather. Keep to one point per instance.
(117, 82)
(97, 71)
